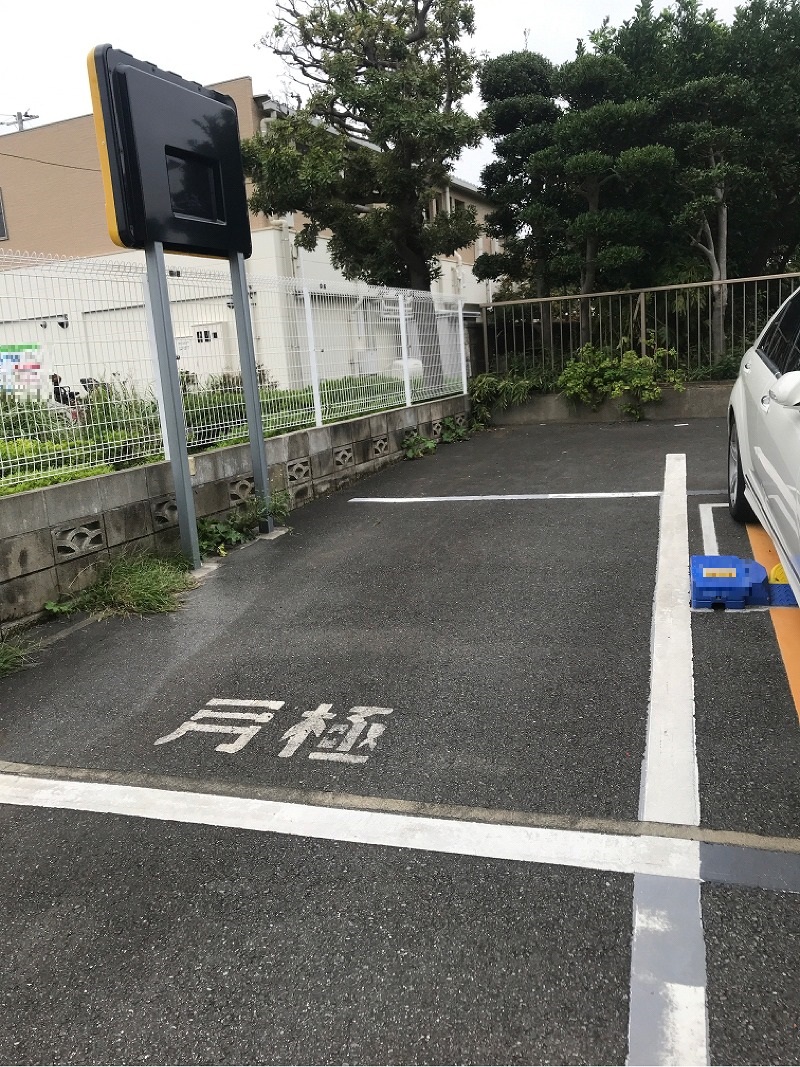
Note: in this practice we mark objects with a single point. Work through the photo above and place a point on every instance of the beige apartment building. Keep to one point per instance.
(51, 202)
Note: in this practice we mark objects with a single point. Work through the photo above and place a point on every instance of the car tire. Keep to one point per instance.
(739, 508)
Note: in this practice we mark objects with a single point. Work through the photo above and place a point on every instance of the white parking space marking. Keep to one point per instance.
(667, 1019)
(500, 496)
(674, 857)
(669, 790)
(710, 546)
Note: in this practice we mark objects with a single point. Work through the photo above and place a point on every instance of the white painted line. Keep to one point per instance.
(572, 848)
(273, 705)
(710, 546)
(499, 496)
(668, 1023)
(669, 788)
(668, 1020)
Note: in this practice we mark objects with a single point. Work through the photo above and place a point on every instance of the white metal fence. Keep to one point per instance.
(703, 328)
(77, 378)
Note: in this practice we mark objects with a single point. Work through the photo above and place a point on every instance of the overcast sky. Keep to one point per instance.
(43, 68)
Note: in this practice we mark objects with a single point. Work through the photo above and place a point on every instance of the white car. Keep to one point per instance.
(764, 437)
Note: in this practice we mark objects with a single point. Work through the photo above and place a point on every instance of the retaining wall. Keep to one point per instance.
(53, 540)
(699, 400)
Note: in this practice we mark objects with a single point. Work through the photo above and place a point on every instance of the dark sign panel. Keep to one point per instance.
(170, 157)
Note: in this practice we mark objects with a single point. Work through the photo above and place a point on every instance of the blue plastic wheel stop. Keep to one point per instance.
(728, 582)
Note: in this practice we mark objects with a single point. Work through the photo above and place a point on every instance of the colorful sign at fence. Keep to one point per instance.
(21, 369)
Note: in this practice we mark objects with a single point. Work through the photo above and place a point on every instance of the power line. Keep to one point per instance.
(49, 162)
(19, 119)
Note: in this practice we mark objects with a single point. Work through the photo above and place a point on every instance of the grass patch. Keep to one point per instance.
(15, 654)
(131, 585)
(52, 478)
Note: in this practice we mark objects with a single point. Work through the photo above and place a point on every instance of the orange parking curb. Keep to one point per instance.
(786, 621)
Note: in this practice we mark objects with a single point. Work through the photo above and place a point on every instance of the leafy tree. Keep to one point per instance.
(570, 148)
(708, 114)
(377, 136)
(765, 51)
(520, 116)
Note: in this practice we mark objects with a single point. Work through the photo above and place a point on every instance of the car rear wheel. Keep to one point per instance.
(739, 507)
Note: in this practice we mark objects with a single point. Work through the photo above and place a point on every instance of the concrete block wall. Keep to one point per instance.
(53, 540)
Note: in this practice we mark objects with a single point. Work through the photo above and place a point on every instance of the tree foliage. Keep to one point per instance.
(375, 137)
(668, 150)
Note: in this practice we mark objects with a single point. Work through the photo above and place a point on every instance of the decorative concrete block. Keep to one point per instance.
(299, 470)
(343, 456)
(164, 511)
(380, 445)
(26, 553)
(81, 537)
(77, 574)
(240, 491)
(128, 523)
(23, 513)
(27, 594)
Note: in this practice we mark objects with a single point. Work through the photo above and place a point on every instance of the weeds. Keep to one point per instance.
(216, 536)
(15, 654)
(131, 585)
(415, 446)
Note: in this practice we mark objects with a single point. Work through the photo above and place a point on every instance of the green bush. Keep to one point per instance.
(598, 374)
(488, 391)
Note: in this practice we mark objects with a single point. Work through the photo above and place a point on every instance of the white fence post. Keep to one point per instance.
(462, 347)
(401, 303)
(312, 358)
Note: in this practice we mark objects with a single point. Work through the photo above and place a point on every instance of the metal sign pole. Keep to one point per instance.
(247, 360)
(161, 324)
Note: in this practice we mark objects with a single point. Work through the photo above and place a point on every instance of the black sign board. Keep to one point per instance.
(170, 158)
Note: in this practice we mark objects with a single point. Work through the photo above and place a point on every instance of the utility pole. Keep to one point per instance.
(19, 119)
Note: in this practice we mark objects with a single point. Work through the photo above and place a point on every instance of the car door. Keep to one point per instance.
(775, 430)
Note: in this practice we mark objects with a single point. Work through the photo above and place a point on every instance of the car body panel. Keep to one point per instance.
(769, 448)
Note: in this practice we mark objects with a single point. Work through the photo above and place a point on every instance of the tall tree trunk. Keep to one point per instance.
(589, 270)
(720, 291)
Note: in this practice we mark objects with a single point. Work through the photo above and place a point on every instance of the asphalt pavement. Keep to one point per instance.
(475, 663)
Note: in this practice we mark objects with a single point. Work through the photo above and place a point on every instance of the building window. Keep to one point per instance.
(3, 227)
